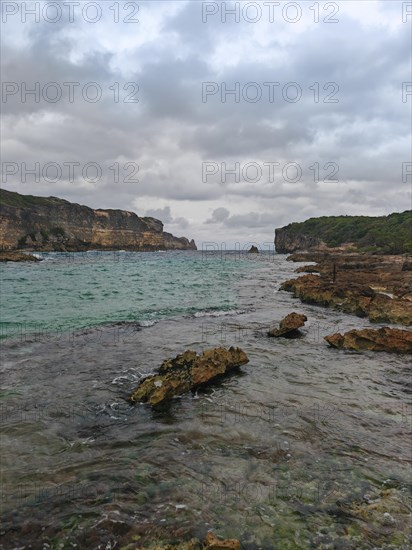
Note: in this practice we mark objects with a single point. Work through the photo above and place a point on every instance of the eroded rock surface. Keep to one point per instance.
(377, 287)
(289, 326)
(186, 372)
(383, 339)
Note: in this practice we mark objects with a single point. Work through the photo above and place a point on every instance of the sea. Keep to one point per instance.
(271, 455)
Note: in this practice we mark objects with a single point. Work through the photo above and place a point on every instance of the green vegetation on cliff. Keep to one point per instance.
(385, 234)
(10, 198)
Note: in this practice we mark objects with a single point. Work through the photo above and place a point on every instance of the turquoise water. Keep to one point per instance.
(72, 291)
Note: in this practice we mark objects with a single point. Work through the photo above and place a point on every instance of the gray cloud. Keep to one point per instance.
(219, 215)
(162, 214)
(170, 132)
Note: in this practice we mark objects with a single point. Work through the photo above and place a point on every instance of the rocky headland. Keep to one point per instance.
(52, 224)
(376, 235)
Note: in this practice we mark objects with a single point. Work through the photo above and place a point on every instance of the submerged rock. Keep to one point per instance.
(213, 543)
(289, 326)
(383, 339)
(186, 372)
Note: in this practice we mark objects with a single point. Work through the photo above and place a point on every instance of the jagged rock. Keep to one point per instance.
(214, 543)
(383, 339)
(289, 326)
(186, 372)
(253, 250)
(14, 256)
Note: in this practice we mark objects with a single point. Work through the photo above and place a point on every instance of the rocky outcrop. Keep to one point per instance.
(289, 326)
(253, 250)
(287, 241)
(40, 223)
(383, 339)
(186, 372)
(14, 256)
(368, 286)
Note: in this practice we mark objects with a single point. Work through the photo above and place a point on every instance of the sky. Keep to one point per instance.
(224, 120)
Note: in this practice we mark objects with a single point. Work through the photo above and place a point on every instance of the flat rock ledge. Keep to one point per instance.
(289, 326)
(367, 285)
(186, 372)
(383, 339)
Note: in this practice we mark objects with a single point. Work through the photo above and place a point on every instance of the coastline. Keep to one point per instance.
(378, 287)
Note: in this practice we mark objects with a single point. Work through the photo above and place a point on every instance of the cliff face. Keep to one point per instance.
(40, 223)
(286, 241)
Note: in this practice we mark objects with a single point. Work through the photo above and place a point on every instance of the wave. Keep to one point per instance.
(219, 313)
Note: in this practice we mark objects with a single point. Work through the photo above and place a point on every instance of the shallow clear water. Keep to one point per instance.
(262, 456)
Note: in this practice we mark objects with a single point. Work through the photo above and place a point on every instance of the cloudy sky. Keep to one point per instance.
(318, 121)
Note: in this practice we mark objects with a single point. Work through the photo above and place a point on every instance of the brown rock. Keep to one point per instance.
(368, 286)
(14, 256)
(213, 543)
(307, 269)
(186, 372)
(289, 326)
(383, 339)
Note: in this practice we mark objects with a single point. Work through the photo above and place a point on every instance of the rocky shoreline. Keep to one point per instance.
(376, 287)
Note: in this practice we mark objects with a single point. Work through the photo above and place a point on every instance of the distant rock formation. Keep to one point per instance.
(383, 234)
(50, 223)
(253, 250)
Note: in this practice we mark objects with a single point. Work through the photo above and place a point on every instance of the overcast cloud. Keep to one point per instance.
(163, 155)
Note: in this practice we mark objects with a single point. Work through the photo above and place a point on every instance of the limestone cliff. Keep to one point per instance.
(50, 223)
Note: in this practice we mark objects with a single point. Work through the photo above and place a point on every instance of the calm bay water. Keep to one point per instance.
(263, 456)
(70, 291)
